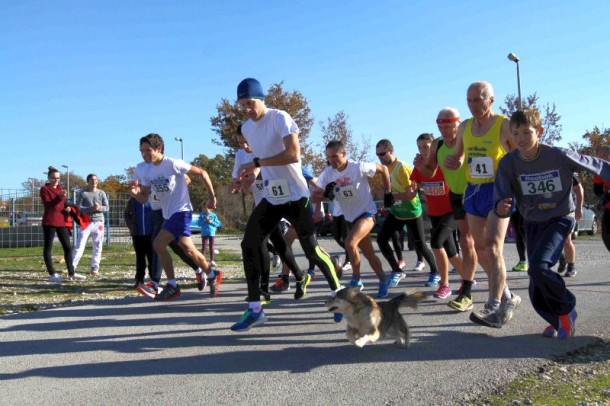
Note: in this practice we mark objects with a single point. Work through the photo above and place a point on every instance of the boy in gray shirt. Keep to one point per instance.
(540, 177)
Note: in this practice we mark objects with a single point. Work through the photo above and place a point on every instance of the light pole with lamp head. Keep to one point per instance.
(67, 179)
(515, 59)
(181, 147)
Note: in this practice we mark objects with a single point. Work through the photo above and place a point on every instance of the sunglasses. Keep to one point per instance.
(380, 154)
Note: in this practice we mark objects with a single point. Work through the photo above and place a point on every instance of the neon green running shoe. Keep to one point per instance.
(521, 267)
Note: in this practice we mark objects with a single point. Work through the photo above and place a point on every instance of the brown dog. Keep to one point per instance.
(369, 321)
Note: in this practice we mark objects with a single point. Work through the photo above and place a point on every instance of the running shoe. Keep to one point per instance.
(488, 317)
(276, 263)
(419, 266)
(346, 267)
(76, 277)
(214, 283)
(280, 286)
(521, 266)
(149, 290)
(265, 298)
(571, 272)
(453, 270)
(54, 278)
(355, 283)
(170, 292)
(507, 307)
(337, 265)
(396, 277)
(433, 280)
(201, 281)
(443, 292)
(567, 325)
(95, 272)
(401, 265)
(248, 320)
(311, 273)
(383, 288)
(301, 290)
(549, 332)
(461, 303)
(212, 264)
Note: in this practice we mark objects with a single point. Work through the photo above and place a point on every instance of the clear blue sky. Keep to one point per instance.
(81, 81)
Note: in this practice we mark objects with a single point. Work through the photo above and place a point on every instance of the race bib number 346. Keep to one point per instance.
(540, 183)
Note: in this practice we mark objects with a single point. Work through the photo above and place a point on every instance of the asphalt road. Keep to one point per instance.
(136, 351)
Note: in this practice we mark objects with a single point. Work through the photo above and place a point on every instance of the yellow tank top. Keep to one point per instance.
(482, 153)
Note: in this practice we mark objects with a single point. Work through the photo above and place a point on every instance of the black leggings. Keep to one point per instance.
(517, 221)
(339, 232)
(63, 234)
(442, 233)
(142, 244)
(279, 247)
(261, 223)
(416, 227)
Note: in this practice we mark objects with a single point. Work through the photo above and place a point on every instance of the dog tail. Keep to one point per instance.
(408, 299)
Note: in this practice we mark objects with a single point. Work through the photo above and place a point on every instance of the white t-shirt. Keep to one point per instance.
(352, 190)
(284, 183)
(241, 157)
(138, 173)
(167, 181)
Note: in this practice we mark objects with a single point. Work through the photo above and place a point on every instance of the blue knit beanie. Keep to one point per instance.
(250, 89)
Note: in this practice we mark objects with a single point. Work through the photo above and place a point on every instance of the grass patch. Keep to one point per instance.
(24, 286)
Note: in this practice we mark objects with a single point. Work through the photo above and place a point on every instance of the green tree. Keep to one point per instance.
(338, 128)
(550, 117)
(219, 170)
(230, 116)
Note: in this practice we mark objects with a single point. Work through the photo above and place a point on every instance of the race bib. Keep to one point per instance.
(481, 167)
(433, 188)
(346, 192)
(258, 186)
(277, 189)
(540, 183)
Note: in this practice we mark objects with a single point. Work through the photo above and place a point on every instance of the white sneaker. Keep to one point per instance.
(419, 266)
(401, 265)
(95, 272)
(77, 277)
(213, 264)
(54, 278)
(276, 263)
(346, 267)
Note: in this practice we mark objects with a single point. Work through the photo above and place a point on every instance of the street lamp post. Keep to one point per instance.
(67, 179)
(181, 147)
(515, 59)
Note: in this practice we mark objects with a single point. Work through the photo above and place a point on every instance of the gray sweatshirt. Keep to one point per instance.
(543, 186)
(86, 201)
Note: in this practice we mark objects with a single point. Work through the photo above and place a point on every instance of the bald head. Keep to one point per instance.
(484, 88)
(448, 113)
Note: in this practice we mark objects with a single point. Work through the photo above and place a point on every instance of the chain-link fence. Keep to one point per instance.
(21, 219)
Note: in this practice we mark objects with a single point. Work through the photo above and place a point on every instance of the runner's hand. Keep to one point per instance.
(329, 191)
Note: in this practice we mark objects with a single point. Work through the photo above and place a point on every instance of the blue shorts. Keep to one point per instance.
(479, 199)
(364, 215)
(179, 224)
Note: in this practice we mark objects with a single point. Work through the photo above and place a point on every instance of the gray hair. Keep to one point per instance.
(487, 90)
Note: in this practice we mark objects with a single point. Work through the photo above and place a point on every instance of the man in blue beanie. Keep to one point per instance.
(274, 138)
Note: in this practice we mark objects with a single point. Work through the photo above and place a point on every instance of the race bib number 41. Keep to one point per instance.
(481, 167)
(540, 183)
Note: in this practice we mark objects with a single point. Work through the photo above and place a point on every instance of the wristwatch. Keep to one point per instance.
(257, 162)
